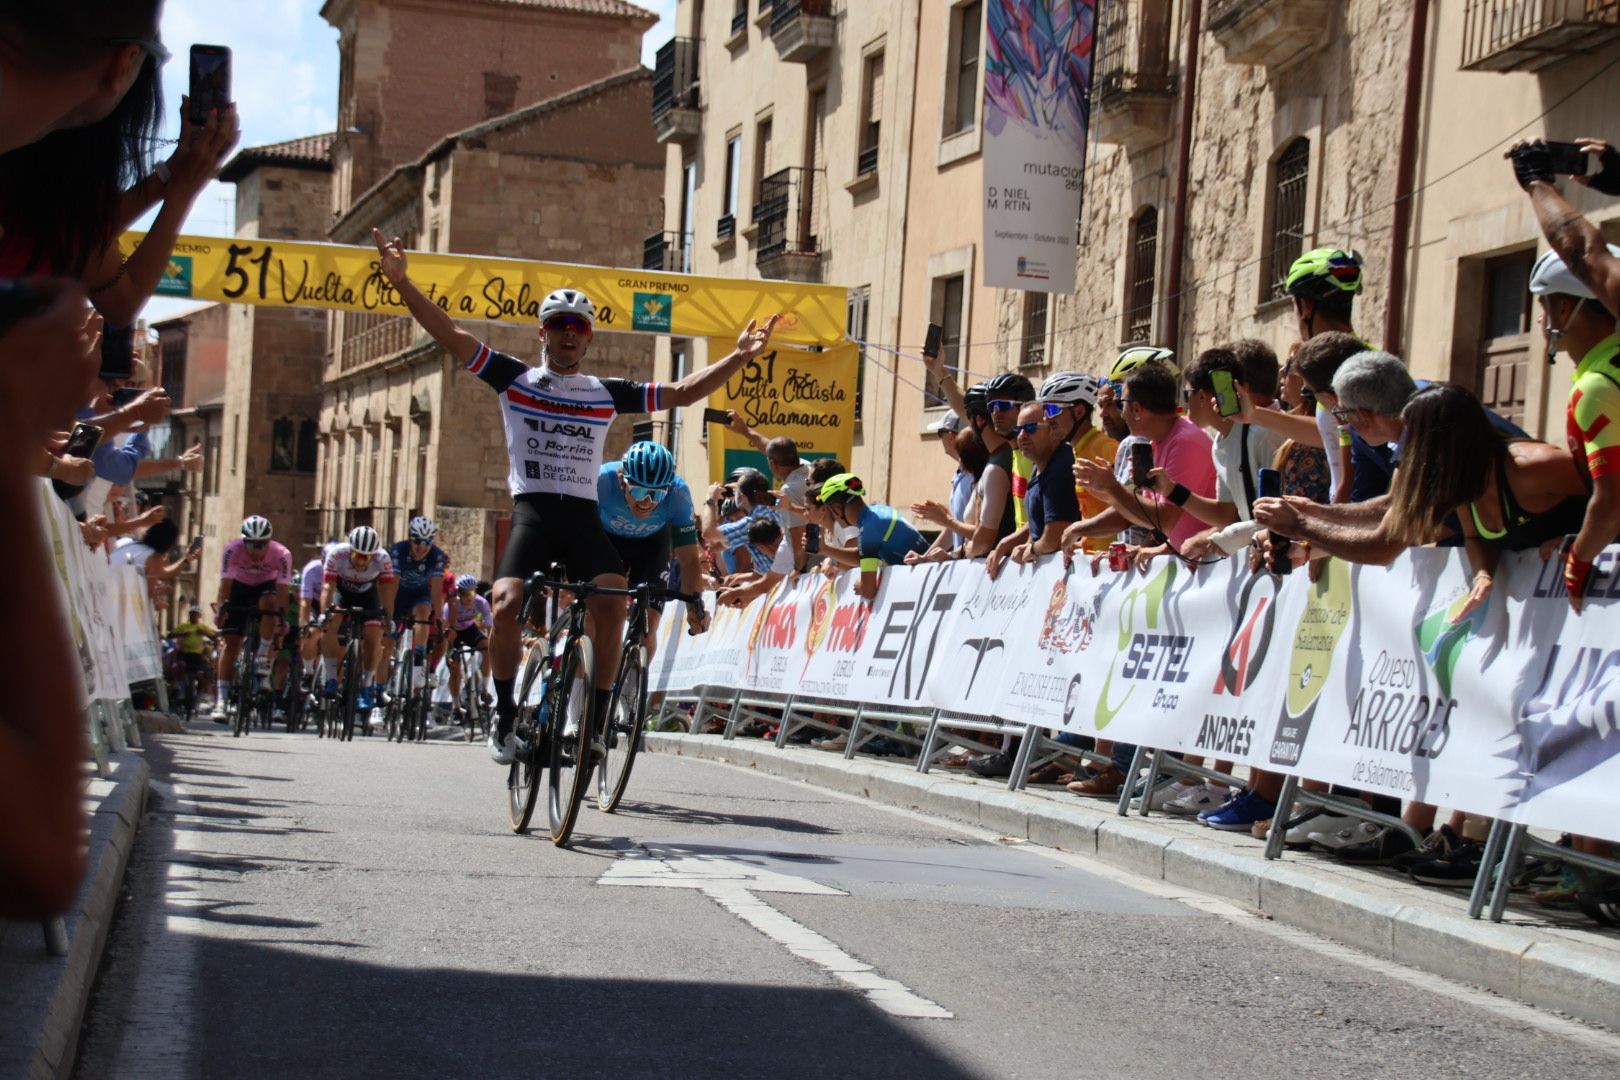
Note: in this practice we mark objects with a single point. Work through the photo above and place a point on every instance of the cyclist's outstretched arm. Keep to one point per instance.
(700, 384)
(438, 324)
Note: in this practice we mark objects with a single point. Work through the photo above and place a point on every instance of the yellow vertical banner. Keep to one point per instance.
(806, 395)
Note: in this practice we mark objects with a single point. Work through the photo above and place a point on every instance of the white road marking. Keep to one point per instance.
(734, 885)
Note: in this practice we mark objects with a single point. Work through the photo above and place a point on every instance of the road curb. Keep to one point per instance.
(1548, 967)
(43, 998)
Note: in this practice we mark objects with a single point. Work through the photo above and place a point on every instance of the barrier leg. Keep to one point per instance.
(786, 725)
(132, 727)
(925, 760)
(855, 732)
(1488, 861)
(734, 716)
(1279, 820)
(56, 939)
(98, 739)
(1026, 751)
(1509, 867)
(1148, 785)
(1131, 774)
(111, 728)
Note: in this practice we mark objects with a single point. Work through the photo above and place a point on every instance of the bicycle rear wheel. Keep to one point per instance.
(523, 780)
(626, 716)
(570, 747)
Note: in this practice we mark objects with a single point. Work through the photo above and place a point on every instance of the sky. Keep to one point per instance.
(284, 72)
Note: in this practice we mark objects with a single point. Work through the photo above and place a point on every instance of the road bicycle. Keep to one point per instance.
(405, 716)
(340, 713)
(245, 698)
(468, 707)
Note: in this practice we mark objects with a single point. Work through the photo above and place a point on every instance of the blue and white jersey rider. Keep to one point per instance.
(674, 511)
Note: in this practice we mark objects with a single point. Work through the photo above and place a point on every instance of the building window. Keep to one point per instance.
(683, 258)
(1290, 176)
(424, 431)
(946, 310)
(739, 16)
(860, 302)
(866, 160)
(728, 219)
(306, 446)
(1144, 265)
(1032, 349)
(212, 464)
(1502, 372)
(762, 155)
(283, 446)
(962, 74)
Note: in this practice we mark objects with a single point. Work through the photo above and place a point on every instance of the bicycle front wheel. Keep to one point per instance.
(570, 745)
(523, 780)
(626, 716)
(349, 702)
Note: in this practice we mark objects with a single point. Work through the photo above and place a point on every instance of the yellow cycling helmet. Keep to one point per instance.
(845, 485)
(1135, 357)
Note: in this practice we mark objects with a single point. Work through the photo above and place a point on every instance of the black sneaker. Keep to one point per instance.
(1381, 850)
(1601, 901)
(994, 765)
(1456, 869)
(1437, 846)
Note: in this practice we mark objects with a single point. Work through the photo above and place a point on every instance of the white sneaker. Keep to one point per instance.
(504, 752)
(838, 743)
(1359, 832)
(1165, 795)
(418, 677)
(1321, 821)
(218, 715)
(1195, 800)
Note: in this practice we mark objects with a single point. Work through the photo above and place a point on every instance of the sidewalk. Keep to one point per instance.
(1531, 956)
(42, 997)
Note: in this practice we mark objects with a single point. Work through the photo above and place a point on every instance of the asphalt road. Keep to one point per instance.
(297, 908)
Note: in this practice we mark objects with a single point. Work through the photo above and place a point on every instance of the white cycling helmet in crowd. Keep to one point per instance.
(1551, 277)
(568, 302)
(466, 581)
(255, 527)
(1069, 388)
(363, 540)
(423, 530)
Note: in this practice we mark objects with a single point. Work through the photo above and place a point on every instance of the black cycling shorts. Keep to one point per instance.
(362, 600)
(243, 597)
(647, 561)
(562, 529)
(471, 636)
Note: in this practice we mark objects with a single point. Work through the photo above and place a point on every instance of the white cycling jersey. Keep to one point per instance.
(556, 425)
(341, 570)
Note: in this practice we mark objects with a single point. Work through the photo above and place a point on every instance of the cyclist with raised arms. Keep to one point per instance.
(556, 420)
(647, 510)
(360, 575)
(254, 572)
(467, 620)
(421, 566)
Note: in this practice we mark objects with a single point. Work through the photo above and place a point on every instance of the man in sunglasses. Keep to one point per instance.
(556, 419)
(1051, 504)
(255, 571)
(647, 510)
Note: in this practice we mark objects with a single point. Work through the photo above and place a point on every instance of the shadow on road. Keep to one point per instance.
(687, 815)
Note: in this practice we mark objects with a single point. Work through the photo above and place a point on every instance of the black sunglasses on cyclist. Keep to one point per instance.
(577, 324)
(256, 545)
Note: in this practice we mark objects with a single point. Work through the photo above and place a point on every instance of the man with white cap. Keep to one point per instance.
(947, 428)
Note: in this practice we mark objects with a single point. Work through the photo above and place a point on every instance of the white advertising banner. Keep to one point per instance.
(1037, 87)
(1377, 678)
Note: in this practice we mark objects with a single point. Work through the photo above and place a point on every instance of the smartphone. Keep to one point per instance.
(82, 440)
(716, 416)
(124, 395)
(1270, 487)
(812, 539)
(1226, 395)
(931, 342)
(210, 81)
(1568, 159)
(195, 546)
(117, 352)
(1141, 464)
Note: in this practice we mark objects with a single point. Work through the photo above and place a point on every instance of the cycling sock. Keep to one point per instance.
(503, 694)
(222, 689)
(367, 679)
(328, 668)
(599, 708)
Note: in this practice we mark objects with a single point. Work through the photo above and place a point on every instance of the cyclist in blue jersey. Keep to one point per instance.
(420, 564)
(647, 510)
(886, 537)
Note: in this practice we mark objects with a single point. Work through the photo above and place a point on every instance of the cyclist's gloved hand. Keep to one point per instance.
(1532, 161)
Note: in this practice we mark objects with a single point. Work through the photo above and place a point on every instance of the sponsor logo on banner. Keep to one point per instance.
(1316, 639)
(1144, 653)
(1029, 268)
(177, 277)
(1069, 623)
(1241, 663)
(1569, 726)
(905, 645)
(652, 312)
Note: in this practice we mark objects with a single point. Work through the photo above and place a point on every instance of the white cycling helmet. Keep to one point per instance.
(255, 527)
(423, 530)
(568, 302)
(363, 540)
(1069, 388)
(1551, 277)
(466, 581)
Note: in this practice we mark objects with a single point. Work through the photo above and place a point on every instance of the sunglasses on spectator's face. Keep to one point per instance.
(642, 494)
(1002, 406)
(577, 324)
(1344, 415)
(1030, 428)
(1124, 401)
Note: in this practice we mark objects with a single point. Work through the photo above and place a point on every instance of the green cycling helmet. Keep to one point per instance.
(1133, 358)
(846, 485)
(1324, 272)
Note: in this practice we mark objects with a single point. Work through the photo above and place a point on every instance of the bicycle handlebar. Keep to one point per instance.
(585, 588)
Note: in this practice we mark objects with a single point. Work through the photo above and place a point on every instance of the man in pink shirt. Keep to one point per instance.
(254, 572)
(1180, 447)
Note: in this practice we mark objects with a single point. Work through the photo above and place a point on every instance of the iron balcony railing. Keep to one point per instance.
(1503, 35)
(786, 11)
(1133, 52)
(667, 251)
(786, 214)
(675, 77)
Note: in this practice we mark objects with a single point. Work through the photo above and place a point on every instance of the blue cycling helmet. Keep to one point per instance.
(648, 464)
(466, 581)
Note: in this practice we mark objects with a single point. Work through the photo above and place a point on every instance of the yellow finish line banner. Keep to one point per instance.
(281, 273)
(809, 396)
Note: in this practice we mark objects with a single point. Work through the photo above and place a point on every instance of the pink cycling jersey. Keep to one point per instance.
(460, 618)
(241, 563)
